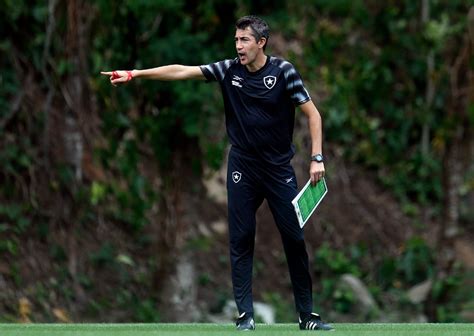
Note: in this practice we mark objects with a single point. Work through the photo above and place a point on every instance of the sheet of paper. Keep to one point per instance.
(308, 199)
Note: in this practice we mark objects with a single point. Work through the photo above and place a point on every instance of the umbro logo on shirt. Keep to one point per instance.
(269, 81)
(236, 81)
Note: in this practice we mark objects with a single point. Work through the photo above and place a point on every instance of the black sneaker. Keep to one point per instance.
(245, 322)
(313, 322)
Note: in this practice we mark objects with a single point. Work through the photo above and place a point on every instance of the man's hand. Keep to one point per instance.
(118, 76)
(316, 171)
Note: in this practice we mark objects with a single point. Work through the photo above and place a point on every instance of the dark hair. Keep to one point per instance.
(258, 26)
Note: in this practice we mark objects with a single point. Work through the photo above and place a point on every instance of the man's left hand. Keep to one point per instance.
(316, 171)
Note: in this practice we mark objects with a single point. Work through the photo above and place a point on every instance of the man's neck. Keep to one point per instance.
(259, 62)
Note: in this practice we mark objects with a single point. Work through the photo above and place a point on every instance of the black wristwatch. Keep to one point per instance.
(318, 158)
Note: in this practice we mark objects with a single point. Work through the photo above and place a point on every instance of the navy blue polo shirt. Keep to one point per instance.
(260, 106)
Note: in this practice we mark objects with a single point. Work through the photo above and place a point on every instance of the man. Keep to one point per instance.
(260, 94)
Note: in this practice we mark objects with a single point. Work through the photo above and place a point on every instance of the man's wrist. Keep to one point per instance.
(129, 75)
(317, 158)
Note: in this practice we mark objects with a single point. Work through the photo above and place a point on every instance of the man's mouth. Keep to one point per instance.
(241, 55)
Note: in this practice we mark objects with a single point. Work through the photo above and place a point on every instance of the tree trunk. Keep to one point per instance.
(456, 157)
(76, 114)
(430, 84)
(174, 278)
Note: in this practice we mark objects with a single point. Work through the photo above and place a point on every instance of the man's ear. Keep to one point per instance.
(262, 42)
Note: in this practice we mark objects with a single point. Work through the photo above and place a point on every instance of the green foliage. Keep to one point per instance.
(98, 192)
(104, 256)
(387, 272)
(343, 300)
(222, 297)
(144, 309)
(146, 312)
(454, 289)
(204, 279)
(390, 279)
(334, 262)
(416, 262)
(57, 253)
(284, 312)
(15, 217)
(376, 106)
(200, 244)
(171, 114)
(14, 221)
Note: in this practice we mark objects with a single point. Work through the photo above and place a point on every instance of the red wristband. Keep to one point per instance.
(129, 75)
(115, 75)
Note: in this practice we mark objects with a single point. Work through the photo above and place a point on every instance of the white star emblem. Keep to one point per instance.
(269, 81)
(236, 176)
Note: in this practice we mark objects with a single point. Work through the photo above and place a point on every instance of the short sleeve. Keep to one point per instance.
(216, 71)
(294, 84)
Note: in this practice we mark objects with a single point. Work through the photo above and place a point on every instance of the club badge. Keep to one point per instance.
(236, 176)
(269, 81)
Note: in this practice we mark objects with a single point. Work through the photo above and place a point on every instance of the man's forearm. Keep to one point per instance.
(315, 126)
(315, 129)
(170, 73)
(316, 169)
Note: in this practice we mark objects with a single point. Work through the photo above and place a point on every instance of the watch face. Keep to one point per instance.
(318, 158)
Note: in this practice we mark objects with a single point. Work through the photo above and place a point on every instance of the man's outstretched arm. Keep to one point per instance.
(164, 73)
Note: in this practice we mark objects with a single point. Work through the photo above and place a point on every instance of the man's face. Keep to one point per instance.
(246, 45)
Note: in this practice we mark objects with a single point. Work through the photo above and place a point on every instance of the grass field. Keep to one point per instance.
(188, 329)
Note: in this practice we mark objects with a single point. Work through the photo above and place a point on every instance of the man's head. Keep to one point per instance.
(251, 38)
(258, 27)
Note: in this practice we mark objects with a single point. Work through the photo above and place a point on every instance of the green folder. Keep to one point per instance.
(308, 199)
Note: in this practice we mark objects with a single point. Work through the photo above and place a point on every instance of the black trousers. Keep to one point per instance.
(249, 182)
